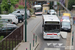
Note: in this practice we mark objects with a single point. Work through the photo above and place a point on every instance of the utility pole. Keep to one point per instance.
(25, 22)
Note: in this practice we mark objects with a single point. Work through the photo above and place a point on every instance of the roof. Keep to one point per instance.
(37, 5)
(51, 18)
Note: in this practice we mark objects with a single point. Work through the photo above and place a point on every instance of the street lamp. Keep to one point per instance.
(25, 22)
(0, 6)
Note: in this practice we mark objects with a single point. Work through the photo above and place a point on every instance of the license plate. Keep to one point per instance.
(51, 37)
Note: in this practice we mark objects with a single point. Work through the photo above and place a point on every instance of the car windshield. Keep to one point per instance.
(52, 28)
(39, 9)
(65, 23)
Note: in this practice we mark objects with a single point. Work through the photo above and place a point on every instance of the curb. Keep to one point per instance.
(71, 42)
(34, 48)
(17, 46)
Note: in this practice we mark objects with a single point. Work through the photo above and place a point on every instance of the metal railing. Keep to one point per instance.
(10, 41)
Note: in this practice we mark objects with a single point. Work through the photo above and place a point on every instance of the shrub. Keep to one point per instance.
(21, 7)
(31, 11)
(12, 8)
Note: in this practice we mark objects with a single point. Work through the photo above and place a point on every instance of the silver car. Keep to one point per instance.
(66, 26)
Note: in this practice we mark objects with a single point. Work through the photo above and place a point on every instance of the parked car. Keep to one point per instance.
(6, 21)
(66, 25)
(6, 29)
(22, 12)
(64, 17)
(51, 12)
(10, 17)
(20, 17)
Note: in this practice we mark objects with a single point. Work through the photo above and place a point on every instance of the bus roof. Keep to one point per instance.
(51, 18)
(37, 5)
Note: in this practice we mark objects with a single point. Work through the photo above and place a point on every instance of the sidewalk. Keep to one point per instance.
(31, 25)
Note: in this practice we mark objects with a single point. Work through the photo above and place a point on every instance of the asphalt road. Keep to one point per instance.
(48, 43)
(44, 44)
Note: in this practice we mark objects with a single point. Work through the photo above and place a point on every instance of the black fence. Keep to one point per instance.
(10, 41)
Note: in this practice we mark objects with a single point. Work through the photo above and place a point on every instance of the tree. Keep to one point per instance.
(6, 7)
(70, 4)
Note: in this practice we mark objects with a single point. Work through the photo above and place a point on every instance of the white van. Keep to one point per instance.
(10, 16)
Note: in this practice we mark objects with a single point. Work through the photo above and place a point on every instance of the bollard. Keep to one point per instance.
(26, 48)
(33, 42)
(30, 46)
(36, 39)
(33, 35)
(72, 40)
(72, 37)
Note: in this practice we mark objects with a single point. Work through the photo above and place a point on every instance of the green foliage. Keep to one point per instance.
(21, 7)
(0, 22)
(70, 4)
(12, 8)
(1, 37)
(5, 6)
(58, 3)
(31, 11)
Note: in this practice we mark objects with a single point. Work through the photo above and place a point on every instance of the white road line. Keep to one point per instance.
(51, 48)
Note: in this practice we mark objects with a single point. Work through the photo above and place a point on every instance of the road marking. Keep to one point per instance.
(49, 44)
(54, 44)
(51, 48)
(60, 44)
